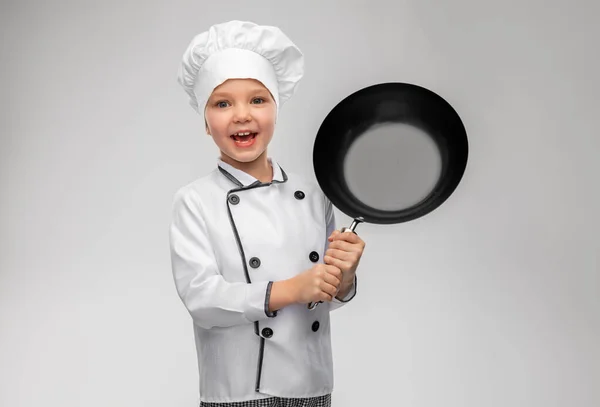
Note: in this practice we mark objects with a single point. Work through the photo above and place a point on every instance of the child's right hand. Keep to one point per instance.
(319, 283)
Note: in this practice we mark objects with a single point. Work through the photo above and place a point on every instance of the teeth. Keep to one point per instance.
(242, 134)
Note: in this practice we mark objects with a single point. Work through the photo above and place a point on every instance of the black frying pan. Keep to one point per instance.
(437, 131)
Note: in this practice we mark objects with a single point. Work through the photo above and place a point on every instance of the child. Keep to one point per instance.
(252, 245)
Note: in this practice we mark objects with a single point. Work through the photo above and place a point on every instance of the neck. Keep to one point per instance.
(259, 168)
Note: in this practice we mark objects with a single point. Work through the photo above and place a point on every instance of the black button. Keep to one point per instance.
(299, 195)
(255, 262)
(267, 332)
(234, 199)
(314, 257)
(315, 326)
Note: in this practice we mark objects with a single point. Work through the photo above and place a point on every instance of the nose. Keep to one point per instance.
(242, 114)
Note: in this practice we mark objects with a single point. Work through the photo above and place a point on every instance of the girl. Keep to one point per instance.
(252, 245)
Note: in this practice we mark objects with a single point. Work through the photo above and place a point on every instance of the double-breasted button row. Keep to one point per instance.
(268, 332)
(235, 199)
(255, 261)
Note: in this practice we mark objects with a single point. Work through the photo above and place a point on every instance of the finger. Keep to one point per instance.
(346, 236)
(345, 246)
(332, 279)
(333, 270)
(341, 254)
(348, 258)
(328, 288)
(340, 264)
(335, 232)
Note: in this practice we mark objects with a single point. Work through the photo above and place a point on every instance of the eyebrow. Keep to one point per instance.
(252, 91)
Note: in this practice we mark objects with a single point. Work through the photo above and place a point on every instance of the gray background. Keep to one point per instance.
(491, 300)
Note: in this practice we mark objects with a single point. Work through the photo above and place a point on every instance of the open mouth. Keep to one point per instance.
(244, 138)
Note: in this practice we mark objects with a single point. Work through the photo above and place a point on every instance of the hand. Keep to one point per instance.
(345, 251)
(319, 283)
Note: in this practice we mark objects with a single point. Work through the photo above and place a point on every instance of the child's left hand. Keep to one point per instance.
(344, 252)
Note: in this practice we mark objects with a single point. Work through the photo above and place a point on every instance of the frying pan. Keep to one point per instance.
(412, 169)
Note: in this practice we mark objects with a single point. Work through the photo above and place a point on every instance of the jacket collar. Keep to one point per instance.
(243, 179)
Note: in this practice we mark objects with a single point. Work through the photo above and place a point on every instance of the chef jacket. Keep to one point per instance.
(231, 237)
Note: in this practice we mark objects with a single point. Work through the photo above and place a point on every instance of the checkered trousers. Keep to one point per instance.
(322, 401)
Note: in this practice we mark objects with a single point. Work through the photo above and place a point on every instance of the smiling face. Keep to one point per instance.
(240, 116)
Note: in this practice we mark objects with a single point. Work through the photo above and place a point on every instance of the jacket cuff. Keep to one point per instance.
(268, 313)
(255, 301)
(350, 294)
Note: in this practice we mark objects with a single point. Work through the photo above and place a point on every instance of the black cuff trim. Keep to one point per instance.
(267, 299)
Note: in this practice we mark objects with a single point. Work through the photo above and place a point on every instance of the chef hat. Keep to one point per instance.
(240, 50)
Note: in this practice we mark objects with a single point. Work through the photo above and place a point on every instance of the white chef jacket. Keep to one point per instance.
(231, 236)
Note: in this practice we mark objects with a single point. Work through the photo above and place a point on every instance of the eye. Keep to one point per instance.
(258, 100)
(222, 104)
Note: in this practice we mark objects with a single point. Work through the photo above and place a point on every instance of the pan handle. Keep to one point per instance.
(355, 222)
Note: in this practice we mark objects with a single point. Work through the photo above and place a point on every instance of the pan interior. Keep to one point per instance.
(392, 166)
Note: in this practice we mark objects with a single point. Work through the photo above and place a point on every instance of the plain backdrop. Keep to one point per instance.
(491, 300)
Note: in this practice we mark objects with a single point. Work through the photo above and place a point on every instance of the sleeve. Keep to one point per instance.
(330, 219)
(208, 297)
